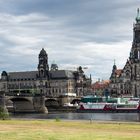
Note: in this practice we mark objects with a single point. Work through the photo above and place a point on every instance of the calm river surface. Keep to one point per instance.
(131, 117)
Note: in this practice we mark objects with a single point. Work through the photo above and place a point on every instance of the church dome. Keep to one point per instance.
(4, 73)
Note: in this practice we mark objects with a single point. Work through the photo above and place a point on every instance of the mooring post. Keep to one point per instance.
(91, 118)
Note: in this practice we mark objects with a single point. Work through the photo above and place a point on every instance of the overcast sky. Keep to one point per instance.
(88, 33)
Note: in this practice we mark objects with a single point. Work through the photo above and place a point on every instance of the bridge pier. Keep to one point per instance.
(65, 100)
(2, 102)
(39, 104)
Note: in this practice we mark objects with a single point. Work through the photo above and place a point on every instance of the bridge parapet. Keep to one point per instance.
(20, 94)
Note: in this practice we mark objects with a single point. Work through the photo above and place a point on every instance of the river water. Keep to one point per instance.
(128, 117)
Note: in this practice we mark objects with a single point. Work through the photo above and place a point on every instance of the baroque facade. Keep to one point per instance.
(49, 82)
(126, 81)
(99, 87)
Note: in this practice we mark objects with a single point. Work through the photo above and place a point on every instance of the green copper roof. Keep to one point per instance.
(138, 16)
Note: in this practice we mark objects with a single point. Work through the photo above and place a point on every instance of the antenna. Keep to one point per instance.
(114, 61)
(75, 68)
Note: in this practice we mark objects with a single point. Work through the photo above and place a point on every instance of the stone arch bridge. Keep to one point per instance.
(38, 103)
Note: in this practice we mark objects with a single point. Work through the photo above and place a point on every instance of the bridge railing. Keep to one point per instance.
(19, 94)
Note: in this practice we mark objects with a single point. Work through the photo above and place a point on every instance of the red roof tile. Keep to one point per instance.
(118, 72)
(100, 84)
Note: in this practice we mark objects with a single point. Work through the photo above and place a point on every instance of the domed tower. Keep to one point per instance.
(4, 76)
(4, 80)
(113, 74)
(43, 67)
(113, 81)
(135, 57)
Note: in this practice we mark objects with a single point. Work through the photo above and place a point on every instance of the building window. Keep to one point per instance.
(53, 90)
(46, 85)
(60, 90)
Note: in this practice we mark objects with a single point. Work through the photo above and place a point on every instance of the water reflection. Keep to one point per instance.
(133, 117)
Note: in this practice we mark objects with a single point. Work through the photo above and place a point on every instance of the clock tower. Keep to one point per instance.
(43, 67)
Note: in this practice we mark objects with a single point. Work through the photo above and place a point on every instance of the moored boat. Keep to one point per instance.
(118, 105)
(94, 107)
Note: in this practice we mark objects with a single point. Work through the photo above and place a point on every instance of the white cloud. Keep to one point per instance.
(99, 58)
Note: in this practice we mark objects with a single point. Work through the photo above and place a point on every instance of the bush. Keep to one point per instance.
(57, 119)
(3, 115)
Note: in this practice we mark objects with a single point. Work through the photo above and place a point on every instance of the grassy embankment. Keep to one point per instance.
(67, 130)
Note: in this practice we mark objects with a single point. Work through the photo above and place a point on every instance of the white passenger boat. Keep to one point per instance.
(121, 105)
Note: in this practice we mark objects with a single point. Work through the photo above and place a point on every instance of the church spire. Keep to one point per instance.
(114, 62)
(114, 66)
(138, 16)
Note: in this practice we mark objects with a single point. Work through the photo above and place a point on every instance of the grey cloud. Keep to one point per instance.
(74, 32)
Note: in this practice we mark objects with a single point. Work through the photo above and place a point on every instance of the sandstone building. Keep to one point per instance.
(50, 82)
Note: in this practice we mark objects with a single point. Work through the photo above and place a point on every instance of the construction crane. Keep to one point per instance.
(75, 68)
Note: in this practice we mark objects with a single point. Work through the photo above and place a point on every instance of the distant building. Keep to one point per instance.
(99, 87)
(126, 82)
(120, 81)
(50, 82)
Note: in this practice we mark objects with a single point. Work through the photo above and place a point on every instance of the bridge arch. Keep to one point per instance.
(51, 103)
(19, 104)
(75, 101)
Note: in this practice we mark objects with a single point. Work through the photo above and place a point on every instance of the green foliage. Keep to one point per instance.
(57, 119)
(3, 115)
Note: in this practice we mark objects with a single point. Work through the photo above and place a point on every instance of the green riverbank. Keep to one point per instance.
(67, 130)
